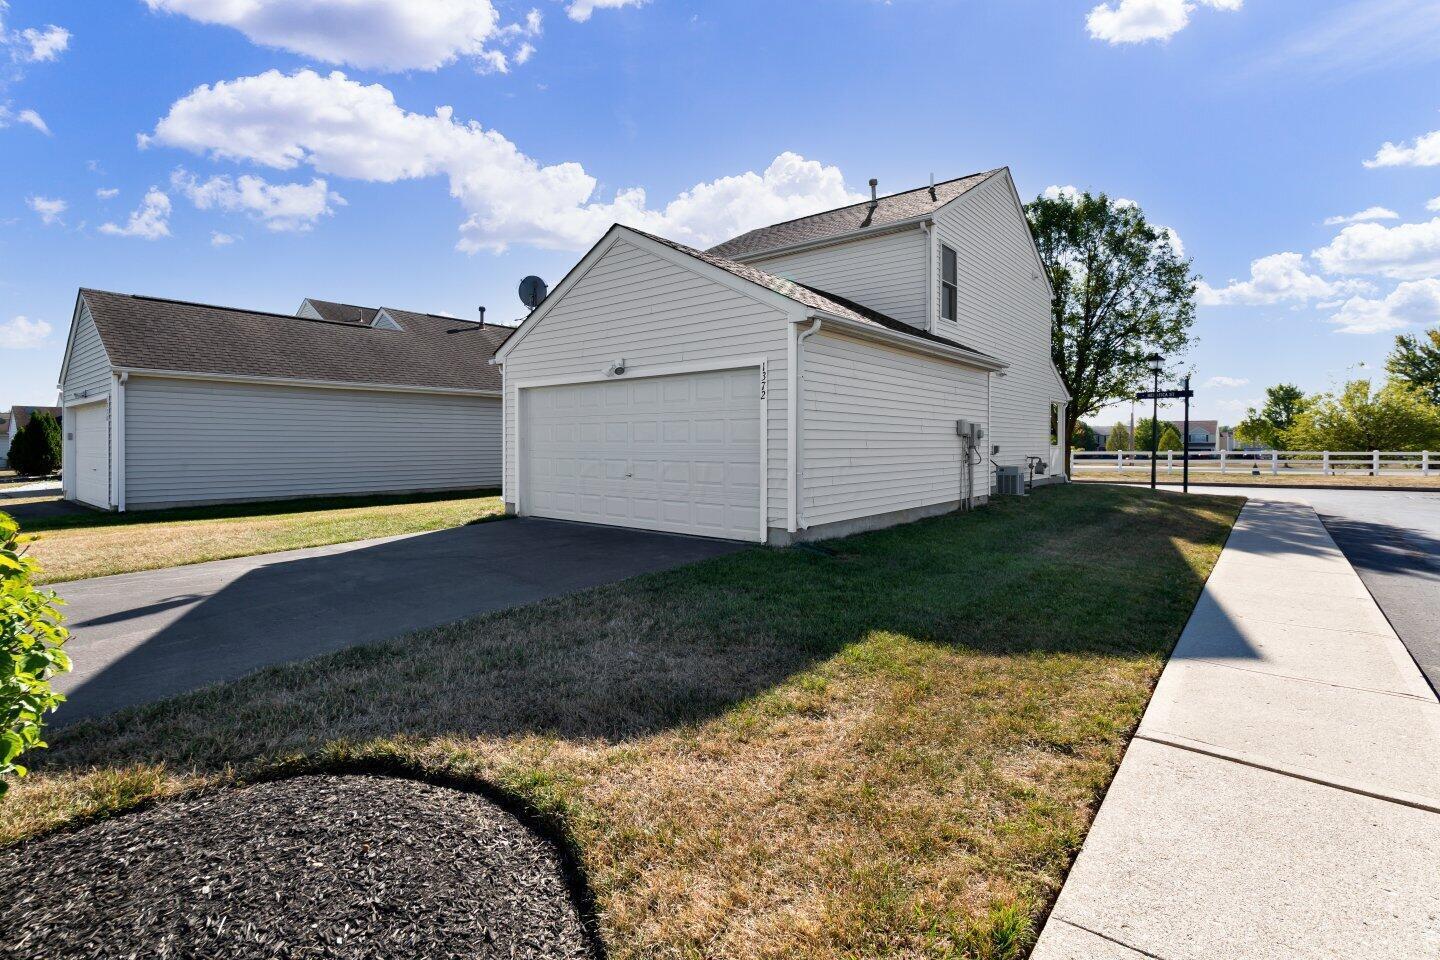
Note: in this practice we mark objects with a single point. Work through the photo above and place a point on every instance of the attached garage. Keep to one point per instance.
(664, 388)
(678, 453)
(170, 403)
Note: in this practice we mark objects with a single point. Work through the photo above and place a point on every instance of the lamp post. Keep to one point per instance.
(1156, 363)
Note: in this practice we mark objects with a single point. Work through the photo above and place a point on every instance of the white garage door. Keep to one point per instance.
(679, 453)
(91, 426)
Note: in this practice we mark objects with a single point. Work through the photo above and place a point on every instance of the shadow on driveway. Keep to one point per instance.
(142, 636)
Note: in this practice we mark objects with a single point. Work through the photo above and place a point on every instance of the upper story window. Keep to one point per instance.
(949, 284)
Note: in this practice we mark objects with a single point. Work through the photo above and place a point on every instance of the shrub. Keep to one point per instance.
(31, 638)
(35, 451)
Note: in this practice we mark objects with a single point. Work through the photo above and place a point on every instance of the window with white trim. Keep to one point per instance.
(949, 284)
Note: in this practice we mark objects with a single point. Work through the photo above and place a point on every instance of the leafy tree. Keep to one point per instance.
(1395, 417)
(1145, 430)
(1083, 437)
(1283, 403)
(30, 653)
(1121, 289)
(1170, 438)
(1256, 431)
(1416, 361)
(35, 451)
(1119, 438)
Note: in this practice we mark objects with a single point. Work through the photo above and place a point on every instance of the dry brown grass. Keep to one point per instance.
(99, 544)
(895, 751)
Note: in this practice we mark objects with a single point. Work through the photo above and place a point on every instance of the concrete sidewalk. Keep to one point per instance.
(1282, 795)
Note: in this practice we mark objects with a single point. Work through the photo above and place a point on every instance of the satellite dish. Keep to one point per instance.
(532, 291)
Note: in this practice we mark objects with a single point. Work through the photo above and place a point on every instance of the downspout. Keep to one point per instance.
(989, 431)
(117, 418)
(796, 422)
(930, 284)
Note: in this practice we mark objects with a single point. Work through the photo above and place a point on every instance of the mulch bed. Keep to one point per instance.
(314, 867)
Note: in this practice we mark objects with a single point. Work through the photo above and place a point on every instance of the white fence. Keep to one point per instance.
(1329, 463)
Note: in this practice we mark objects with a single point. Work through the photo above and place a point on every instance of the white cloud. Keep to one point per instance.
(49, 208)
(150, 221)
(580, 10)
(107, 193)
(282, 207)
(1433, 205)
(218, 239)
(375, 34)
(33, 119)
(1415, 302)
(46, 44)
(1135, 21)
(22, 333)
(1055, 192)
(1273, 279)
(1423, 151)
(344, 128)
(1226, 382)
(1363, 216)
(1406, 251)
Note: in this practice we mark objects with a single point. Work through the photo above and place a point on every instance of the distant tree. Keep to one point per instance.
(1256, 431)
(35, 451)
(1395, 417)
(1283, 403)
(1269, 426)
(1122, 290)
(1144, 431)
(1170, 438)
(1416, 361)
(1119, 438)
(1083, 437)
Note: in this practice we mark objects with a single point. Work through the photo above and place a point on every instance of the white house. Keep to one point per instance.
(169, 403)
(800, 381)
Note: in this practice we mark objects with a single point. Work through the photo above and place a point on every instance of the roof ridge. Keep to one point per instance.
(861, 203)
(221, 307)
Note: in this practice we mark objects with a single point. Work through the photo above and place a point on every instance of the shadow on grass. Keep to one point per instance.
(1070, 572)
(1008, 653)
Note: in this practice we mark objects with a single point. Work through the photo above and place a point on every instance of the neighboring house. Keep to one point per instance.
(800, 381)
(169, 402)
(1206, 435)
(13, 422)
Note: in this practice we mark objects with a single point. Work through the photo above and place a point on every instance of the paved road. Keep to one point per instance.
(142, 636)
(1393, 541)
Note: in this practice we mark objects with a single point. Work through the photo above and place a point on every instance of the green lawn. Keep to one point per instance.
(96, 544)
(893, 747)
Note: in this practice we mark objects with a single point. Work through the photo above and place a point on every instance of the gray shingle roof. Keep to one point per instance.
(858, 216)
(812, 297)
(343, 312)
(150, 333)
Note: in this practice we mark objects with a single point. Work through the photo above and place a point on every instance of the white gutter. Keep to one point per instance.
(926, 226)
(794, 421)
(301, 382)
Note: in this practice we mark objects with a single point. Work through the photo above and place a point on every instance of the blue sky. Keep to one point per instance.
(208, 150)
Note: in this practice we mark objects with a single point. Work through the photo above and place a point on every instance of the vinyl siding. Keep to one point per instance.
(200, 441)
(885, 273)
(636, 305)
(1004, 311)
(878, 432)
(88, 372)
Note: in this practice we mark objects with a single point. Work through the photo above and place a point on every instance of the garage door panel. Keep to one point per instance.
(91, 426)
(677, 453)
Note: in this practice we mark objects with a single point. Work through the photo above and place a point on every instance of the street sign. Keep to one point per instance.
(1165, 395)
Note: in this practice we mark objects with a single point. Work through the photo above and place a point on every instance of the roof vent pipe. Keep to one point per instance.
(932, 186)
(482, 316)
(874, 202)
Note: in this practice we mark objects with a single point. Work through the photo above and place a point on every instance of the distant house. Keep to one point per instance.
(13, 422)
(1206, 435)
(169, 402)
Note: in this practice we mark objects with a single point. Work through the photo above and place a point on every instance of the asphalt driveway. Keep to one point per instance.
(138, 637)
